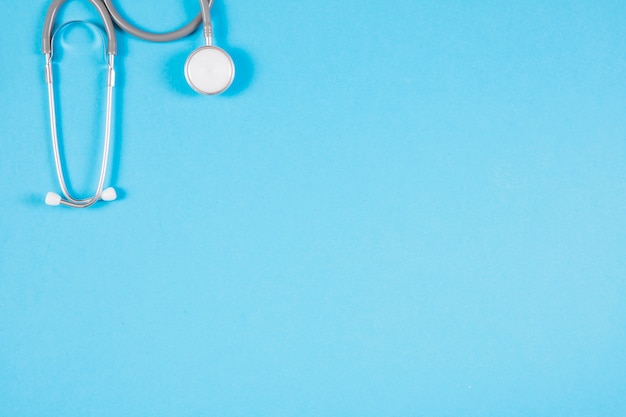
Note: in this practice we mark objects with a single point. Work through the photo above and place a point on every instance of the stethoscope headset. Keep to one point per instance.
(209, 70)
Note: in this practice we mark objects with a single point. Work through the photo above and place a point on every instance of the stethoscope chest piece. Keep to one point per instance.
(209, 70)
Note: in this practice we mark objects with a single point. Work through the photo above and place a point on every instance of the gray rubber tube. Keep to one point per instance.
(109, 14)
(48, 26)
(159, 37)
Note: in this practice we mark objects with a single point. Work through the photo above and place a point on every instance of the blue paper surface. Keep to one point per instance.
(411, 208)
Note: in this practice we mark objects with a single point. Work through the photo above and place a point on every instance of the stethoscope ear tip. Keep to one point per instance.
(53, 199)
(108, 194)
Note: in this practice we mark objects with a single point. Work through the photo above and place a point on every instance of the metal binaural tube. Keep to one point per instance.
(69, 200)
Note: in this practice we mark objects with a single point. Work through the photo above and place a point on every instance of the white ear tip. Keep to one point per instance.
(53, 199)
(108, 194)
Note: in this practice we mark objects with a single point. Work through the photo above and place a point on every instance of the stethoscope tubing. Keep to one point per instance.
(203, 16)
(109, 15)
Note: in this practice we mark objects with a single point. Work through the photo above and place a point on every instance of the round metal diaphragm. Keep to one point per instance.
(209, 70)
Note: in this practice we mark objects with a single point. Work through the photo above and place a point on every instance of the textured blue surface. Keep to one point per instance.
(413, 208)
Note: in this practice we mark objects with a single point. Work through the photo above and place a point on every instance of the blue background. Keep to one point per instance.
(410, 208)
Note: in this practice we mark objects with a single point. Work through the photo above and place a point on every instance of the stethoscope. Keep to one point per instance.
(208, 70)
